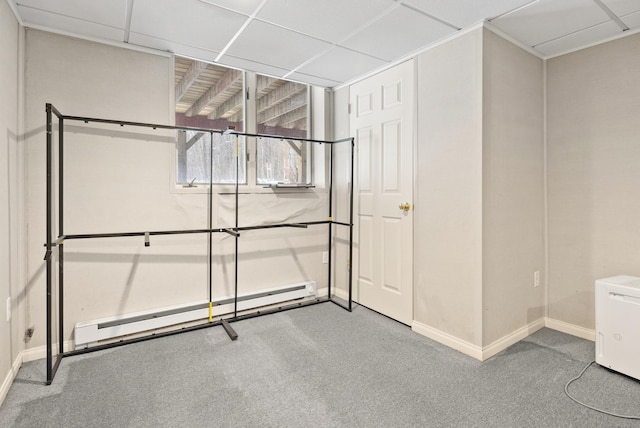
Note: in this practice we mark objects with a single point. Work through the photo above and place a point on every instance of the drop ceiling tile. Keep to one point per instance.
(330, 20)
(632, 20)
(69, 25)
(169, 46)
(313, 80)
(397, 33)
(246, 7)
(547, 20)
(341, 65)
(579, 39)
(200, 24)
(622, 7)
(463, 13)
(106, 12)
(268, 44)
(248, 65)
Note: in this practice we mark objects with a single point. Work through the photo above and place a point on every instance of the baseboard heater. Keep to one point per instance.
(89, 333)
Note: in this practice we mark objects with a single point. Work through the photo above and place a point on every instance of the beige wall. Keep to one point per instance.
(593, 175)
(120, 179)
(448, 189)
(512, 187)
(10, 200)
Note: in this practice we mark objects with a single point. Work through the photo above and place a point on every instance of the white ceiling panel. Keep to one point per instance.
(623, 7)
(169, 46)
(245, 64)
(70, 25)
(397, 33)
(246, 7)
(580, 38)
(106, 12)
(632, 21)
(191, 23)
(331, 20)
(341, 64)
(547, 20)
(463, 13)
(268, 44)
(313, 80)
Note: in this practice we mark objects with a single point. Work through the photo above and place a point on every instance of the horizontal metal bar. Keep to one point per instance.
(192, 328)
(344, 140)
(196, 307)
(273, 226)
(154, 233)
(280, 137)
(231, 231)
(186, 128)
(139, 124)
(280, 309)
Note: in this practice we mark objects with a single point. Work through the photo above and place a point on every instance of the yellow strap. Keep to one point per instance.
(210, 311)
(330, 218)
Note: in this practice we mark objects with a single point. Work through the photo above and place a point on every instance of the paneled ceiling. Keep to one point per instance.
(326, 42)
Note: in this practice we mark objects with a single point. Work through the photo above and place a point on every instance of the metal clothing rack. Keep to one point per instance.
(55, 241)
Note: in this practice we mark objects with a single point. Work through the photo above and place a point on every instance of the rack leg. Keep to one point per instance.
(230, 331)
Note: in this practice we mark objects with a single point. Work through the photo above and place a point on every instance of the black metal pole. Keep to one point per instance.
(60, 233)
(330, 219)
(235, 276)
(210, 209)
(350, 270)
(49, 246)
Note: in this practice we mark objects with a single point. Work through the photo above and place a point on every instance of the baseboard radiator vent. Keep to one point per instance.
(89, 333)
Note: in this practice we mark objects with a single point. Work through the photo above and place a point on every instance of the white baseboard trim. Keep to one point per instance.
(342, 294)
(477, 352)
(448, 340)
(40, 352)
(8, 380)
(572, 329)
(512, 338)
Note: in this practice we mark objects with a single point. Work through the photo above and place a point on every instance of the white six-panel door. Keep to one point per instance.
(381, 120)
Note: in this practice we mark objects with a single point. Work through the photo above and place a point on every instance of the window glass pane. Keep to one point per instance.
(210, 97)
(224, 158)
(194, 158)
(282, 161)
(282, 108)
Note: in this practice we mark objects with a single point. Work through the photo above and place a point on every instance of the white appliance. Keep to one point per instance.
(618, 324)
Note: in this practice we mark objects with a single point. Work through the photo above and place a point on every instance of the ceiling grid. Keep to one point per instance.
(331, 42)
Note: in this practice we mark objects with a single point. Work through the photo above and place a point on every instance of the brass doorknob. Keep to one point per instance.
(405, 207)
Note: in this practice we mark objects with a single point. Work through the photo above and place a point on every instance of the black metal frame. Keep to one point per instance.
(58, 241)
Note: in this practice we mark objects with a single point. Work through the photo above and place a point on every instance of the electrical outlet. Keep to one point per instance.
(536, 278)
(325, 257)
(8, 309)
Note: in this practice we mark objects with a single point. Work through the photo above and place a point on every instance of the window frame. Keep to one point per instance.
(249, 112)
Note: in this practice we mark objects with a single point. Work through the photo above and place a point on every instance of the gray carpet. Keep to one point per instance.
(321, 366)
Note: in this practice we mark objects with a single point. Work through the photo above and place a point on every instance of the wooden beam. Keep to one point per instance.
(227, 79)
(288, 118)
(273, 114)
(264, 82)
(279, 95)
(229, 108)
(189, 78)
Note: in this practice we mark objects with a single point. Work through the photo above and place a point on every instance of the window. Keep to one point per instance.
(213, 97)
(194, 158)
(208, 96)
(282, 109)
